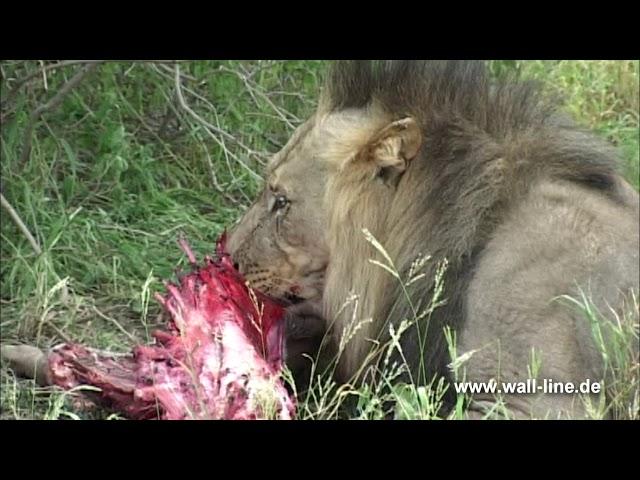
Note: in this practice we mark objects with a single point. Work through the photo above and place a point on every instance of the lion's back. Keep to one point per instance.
(563, 240)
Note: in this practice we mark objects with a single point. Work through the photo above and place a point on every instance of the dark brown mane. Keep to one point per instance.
(462, 93)
(427, 88)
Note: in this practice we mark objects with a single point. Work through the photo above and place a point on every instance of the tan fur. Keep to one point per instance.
(274, 254)
(524, 206)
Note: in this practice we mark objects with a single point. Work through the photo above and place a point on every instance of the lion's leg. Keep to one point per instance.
(27, 362)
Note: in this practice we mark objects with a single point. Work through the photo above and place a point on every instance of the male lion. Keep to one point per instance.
(432, 158)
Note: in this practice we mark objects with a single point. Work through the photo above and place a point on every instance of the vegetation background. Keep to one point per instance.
(106, 162)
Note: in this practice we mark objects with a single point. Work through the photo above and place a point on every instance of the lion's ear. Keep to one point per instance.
(396, 144)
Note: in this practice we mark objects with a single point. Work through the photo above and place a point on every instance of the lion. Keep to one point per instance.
(403, 159)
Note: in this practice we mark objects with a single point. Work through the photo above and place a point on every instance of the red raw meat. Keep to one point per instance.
(221, 357)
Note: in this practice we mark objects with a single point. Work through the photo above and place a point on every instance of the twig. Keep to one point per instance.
(259, 157)
(68, 63)
(214, 180)
(261, 66)
(253, 87)
(16, 218)
(208, 127)
(169, 70)
(148, 127)
(44, 77)
(226, 153)
(42, 71)
(51, 104)
(166, 119)
(116, 323)
(60, 333)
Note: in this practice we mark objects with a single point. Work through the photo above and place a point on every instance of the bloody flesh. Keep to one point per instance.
(220, 358)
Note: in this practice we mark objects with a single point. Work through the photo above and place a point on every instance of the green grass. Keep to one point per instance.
(119, 168)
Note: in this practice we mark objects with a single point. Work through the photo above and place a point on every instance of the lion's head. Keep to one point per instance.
(279, 244)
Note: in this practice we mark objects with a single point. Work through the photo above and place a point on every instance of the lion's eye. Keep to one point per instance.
(280, 202)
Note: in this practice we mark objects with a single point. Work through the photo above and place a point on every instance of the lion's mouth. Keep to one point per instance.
(292, 299)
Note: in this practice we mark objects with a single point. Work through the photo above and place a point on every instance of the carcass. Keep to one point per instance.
(220, 357)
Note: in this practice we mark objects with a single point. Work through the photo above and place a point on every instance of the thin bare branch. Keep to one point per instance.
(44, 77)
(260, 157)
(60, 333)
(227, 153)
(208, 126)
(43, 71)
(170, 71)
(68, 63)
(50, 105)
(16, 218)
(253, 89)
(117, 324)
(214, 180)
